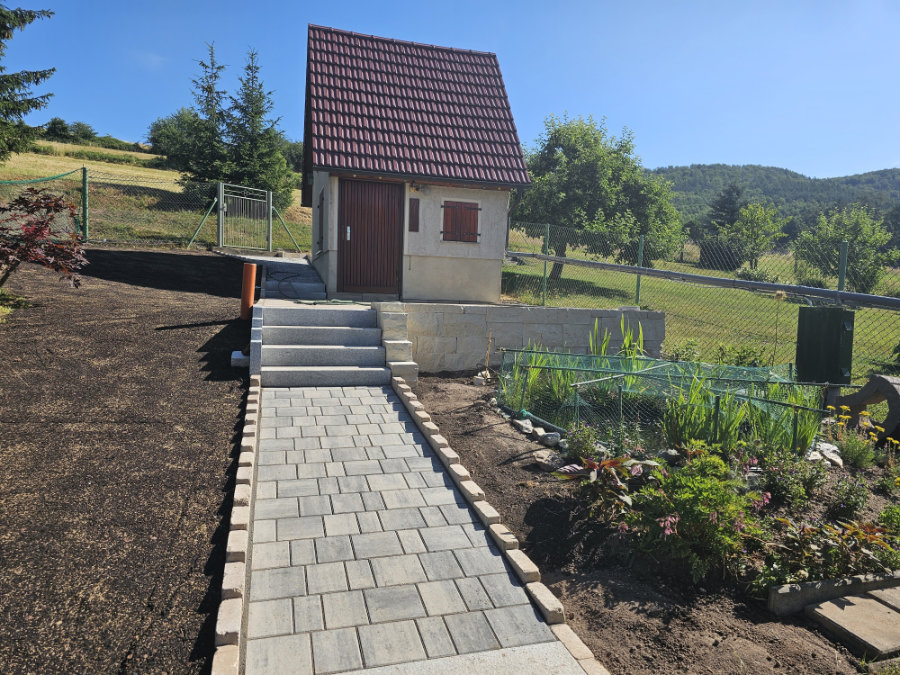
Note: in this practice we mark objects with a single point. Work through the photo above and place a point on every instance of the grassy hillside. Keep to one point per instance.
(794, 194)
(135, 203)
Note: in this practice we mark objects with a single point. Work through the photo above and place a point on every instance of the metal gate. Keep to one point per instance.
(244, 217)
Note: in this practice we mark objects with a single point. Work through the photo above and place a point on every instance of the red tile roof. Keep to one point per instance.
(375, 105)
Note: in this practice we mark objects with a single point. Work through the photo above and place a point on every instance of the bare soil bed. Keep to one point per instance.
(118, 415)
(633, 617)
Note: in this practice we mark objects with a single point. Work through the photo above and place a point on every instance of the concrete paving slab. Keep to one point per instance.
(887, 596)
(868, 627)
(391, 643)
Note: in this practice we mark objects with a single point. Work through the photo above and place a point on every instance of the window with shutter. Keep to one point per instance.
(461, 221)
(413, 215)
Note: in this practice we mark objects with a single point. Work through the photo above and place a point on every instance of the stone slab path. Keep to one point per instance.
(364, 555)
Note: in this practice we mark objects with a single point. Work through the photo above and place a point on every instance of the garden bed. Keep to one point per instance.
(631, 611)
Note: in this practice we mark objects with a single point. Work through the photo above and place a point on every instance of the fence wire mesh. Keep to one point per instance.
(68, 185)
(708, 322)
(640, 404)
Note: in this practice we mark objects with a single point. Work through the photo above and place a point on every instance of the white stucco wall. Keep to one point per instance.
(432, 269)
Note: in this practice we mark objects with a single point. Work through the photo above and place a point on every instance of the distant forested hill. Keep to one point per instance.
(794, 194)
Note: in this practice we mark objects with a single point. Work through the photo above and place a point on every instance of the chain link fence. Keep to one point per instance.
(719, 301)
(69, 185)
(149, 212)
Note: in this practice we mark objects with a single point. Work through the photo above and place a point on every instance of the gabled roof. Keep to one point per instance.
(375, 105)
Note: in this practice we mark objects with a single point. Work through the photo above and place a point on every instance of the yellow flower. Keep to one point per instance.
(845, 407)
(780, 295)
(880, 429)
(864, 413)
(829, 407)
(843, 417)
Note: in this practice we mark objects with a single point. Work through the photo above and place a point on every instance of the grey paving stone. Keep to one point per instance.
(366, 427)
(283, 655)
(478, 561)
(389, 644)
(387, 481)
(267, 490)
(441, 597)
(393, 603)
(477, 534)
(411, 541)
(267, 509)
(325, 578)
(303, 552)
(313, 432)
(332, 549)
(397, 465)
(275, 554)
(290, 411)
(304, 443)
(298, 488)
(331, 420)
(373, 501)
(348, 454)
(414, 480)
(300, 528)
(358, 419)
(397, 570)
(429, 464)
(336, 650)
(434, 479)
(341, 430)
(359, 574)
(353, 484)
(456, 513)
(276, 472)
(435, 496)
(278, 423)
(310, 470)
(376, 544)
(328, 486)
(471, 632)
(445, 538)
(362, 467)
(518, 625)
(280, 582)
(368, 522)
(473, 594)
(335, 410)
(504, 589)
(433, 516)
(293, 456)
(332, 442)
(440, 565)
(373, 453)
(315, 506)
(334, 469)
(404, 451)
(268, 618)
(263, 531)
(319, 455)
(401, 499)
(385, 439)
(266, 433)
(401, 519)
(340, 524)
(266, 458)
(435, 637)
(308, 614)
(344, 609)
(288, 430)
(347, 503)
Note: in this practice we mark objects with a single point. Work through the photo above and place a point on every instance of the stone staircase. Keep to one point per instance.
(299, 339)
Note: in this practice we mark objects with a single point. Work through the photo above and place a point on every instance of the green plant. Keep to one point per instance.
(790, 479)
(740, 355)
(773, 424)
(583, 440)
(684, 350)
(758, 274)
(598, 345)
(696, 516)
(857, 446)
(605, 482)
(850, 497)
(890, 519)
(693, 416)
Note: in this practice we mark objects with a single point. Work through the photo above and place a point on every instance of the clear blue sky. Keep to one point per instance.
(808, 85)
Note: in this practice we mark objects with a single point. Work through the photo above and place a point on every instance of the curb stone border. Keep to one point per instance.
(548, 604)
(229, 621)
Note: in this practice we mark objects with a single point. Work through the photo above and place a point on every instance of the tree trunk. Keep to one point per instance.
(556, 272)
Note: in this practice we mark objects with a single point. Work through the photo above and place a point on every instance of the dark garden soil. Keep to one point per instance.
(633, 617)
(118, 420)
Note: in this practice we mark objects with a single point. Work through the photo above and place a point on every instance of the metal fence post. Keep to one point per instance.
(842, 265)
(84, 203)
(640, 263)
(269, 219)
(546, 251)
(795, 430)
(220, 214)
(621, 421)
(716, 420)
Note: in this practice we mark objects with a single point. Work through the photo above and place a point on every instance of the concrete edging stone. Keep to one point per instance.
(792, 598)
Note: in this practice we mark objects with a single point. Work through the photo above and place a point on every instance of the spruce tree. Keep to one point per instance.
(254, 141)
(207, 159)
(16, 99)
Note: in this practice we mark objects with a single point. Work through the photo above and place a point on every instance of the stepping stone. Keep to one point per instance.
(868, 627)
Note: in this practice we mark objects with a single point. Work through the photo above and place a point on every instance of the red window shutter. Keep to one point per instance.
(461, 221)
(414, 215)
(449, 221)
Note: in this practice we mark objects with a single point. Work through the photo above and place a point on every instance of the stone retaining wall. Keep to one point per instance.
(454, 337)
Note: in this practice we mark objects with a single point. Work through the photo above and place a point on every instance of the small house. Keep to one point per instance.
(410, 155)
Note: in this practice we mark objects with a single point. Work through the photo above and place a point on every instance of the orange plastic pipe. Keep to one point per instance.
(248, 290)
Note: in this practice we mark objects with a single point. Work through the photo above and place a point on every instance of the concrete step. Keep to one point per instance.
(355, 316)
(321, 335)
(321, 355)
(288, 294)
(323, 376)
(868, 624)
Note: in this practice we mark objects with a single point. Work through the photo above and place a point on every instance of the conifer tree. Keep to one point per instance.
(208, 156)
(254, 141)
(16, 99)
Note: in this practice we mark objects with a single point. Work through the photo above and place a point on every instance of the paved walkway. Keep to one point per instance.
(364, 554)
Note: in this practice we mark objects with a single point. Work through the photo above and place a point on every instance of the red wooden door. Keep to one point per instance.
(370, 237)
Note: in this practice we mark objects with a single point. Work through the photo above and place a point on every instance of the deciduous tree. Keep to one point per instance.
(755, 231)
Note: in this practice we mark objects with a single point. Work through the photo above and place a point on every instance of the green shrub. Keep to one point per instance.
(685, 350)
(758, 274)
(790, 479)
(740, 355)
(696, 517)
(583, 440)
(890, 519)
(850, 497)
